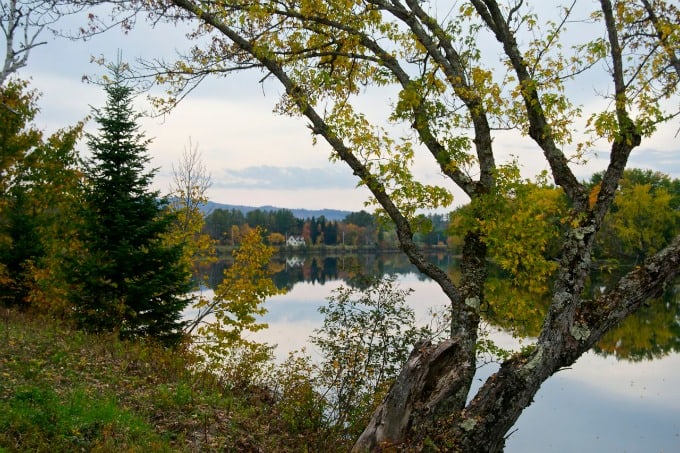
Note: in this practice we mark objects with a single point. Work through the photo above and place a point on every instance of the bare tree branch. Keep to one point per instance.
(22, 23)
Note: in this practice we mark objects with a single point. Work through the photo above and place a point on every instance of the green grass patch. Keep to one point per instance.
(63, 390)
(38, 419)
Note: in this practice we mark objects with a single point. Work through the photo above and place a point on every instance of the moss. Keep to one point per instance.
(468, 424)
(472, 302)
(534, 360)
(579, 331)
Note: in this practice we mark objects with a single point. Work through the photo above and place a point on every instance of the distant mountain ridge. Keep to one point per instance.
(329, 214)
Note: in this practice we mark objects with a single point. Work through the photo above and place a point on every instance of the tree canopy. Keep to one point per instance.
(39, 179)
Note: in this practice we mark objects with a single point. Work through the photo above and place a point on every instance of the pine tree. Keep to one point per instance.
(131, 279)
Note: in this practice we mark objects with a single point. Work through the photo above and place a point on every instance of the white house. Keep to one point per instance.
(295, 241)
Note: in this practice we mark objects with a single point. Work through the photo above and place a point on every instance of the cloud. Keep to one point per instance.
(665, 161)
(270, 177)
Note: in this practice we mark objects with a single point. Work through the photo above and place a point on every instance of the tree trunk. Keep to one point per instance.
(434, 382)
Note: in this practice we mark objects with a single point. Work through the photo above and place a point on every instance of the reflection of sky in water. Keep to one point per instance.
(599, 405)
(292, 317)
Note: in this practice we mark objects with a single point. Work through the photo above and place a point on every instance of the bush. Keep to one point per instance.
(367, 334)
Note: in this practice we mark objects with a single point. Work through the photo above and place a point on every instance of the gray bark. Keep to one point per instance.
(432, 383)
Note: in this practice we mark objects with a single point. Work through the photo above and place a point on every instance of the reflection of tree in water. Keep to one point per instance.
(324, 268)
(650, 333)
(287, 270)
(512, 307)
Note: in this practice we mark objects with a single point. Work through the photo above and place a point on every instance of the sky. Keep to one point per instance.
(255, 157)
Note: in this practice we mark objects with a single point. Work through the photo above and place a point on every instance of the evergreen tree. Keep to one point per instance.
(131, 279)
(313, 230)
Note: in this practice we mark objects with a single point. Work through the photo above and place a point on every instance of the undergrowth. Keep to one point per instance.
(65, 390)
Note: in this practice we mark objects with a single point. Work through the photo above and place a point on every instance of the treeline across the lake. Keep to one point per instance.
(358, 229)
(645, 216)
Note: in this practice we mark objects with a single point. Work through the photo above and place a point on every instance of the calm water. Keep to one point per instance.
(604, 403)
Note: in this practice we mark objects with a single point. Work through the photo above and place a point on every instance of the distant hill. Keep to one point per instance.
(329, 214)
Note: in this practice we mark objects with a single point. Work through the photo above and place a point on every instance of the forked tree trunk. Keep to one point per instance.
(426, 405)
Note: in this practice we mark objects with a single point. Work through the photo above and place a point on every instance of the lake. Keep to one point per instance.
(623, 398)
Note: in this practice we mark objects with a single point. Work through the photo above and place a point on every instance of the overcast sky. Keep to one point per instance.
(255, 157)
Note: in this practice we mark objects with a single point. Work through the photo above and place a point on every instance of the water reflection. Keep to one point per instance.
(652, 332)
(291, 269)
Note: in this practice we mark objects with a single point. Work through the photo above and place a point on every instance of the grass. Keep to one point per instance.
(64, 390)
(36, 417)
